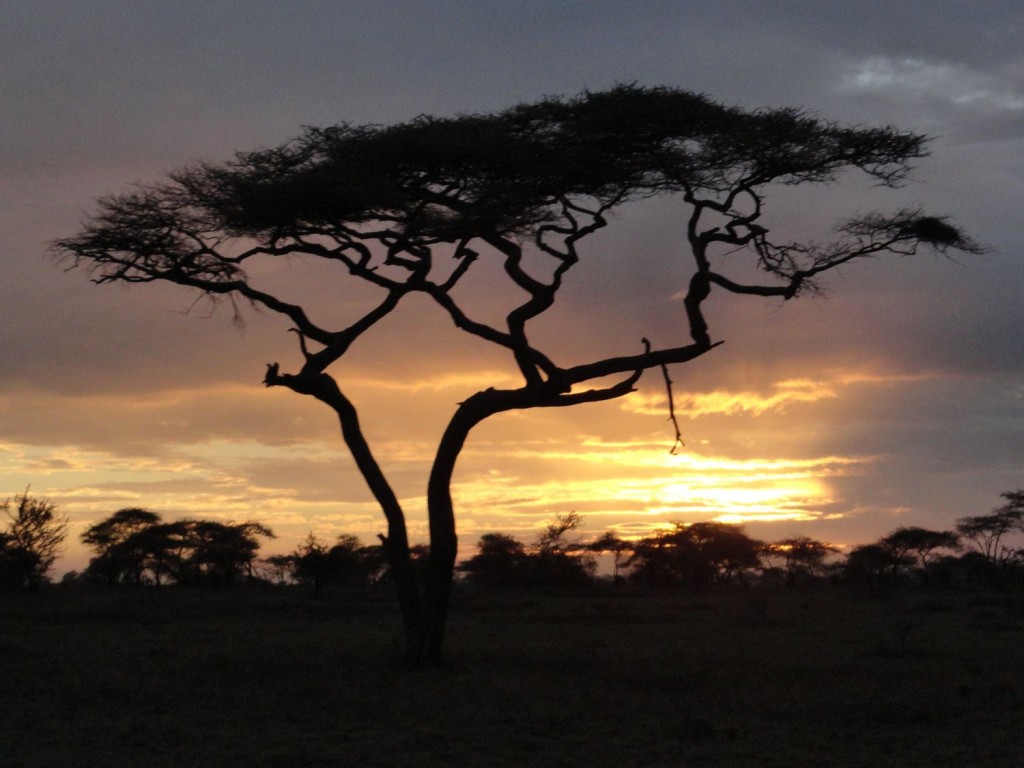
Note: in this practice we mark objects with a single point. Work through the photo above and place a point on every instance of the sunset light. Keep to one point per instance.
(511, 383)
(885, 394)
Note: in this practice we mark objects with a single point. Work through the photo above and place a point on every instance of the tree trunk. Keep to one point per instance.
(444, 542)
(396, 543)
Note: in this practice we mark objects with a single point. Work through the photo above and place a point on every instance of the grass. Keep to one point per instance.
(261, 679)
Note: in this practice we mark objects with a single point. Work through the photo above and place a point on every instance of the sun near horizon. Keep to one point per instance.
(614, 464)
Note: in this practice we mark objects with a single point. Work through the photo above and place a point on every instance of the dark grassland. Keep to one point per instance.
(272, 678)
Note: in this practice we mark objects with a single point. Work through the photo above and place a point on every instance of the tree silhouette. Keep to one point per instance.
(134, 546)
(800, 556)
(922, 543)
(871, 564)
(16, 564)
(221, 553)
(504, 561)
(557, 560)
(119, 558)
(609, 542)
(501, 561)
(316, 563)
(410, 209)
(694, 555)
(34, 537)
(988, 532)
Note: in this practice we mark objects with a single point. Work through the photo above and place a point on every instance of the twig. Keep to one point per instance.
(672, 412)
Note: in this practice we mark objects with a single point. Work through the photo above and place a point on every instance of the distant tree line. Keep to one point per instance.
(979, 551)
(134, 546)
(346, 562)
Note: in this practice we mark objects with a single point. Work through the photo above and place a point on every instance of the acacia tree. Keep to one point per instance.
(694, 555)
(501, 561)
(410, 208)
(799, 556)
(609, 542)
(556, 559)
(988, 532)
(921, 543)
(318, 563)
(119, 556)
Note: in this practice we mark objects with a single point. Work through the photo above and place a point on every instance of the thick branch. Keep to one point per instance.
(613, 365)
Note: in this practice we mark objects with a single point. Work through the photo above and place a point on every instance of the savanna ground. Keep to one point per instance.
(272, 678)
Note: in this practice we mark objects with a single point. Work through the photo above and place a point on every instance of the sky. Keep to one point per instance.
(895, 399)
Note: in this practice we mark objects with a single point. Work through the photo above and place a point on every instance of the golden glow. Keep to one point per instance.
(643, 488)
(463, 382)
(239, 453)
(782, 395)
(726, 403)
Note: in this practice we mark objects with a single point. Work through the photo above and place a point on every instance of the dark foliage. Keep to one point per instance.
(31, 542)
(694, 556)
(797, 558)
(988, 533)
(503, 561)
(120, 554)
(133, 546)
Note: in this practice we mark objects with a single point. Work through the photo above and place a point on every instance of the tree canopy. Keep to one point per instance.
(135, 546)
(988, 532)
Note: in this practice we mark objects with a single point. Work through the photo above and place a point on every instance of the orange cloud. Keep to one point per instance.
(722, 402)
(781, 396)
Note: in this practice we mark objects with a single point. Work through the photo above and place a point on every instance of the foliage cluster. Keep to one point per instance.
(504, 561)
(346, 563)
(696, 555)
(135, 546)
(31, 542)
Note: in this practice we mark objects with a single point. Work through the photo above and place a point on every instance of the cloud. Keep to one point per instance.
(693, 405)
(979, 105)
(956, 83)
(782, 396)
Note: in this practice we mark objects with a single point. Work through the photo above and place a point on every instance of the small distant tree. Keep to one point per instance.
(222, 553)
(988, 532)
(874, 564)
(609, 542)
(164, 551)
(921, 544)
(557, 560)
(346, 562)
(346, 556)
(279, 569)
(798, 557)
(311, 565)
(32, 541)
(119, 558)
(133, 546)
(694, 555)
(501, 561)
